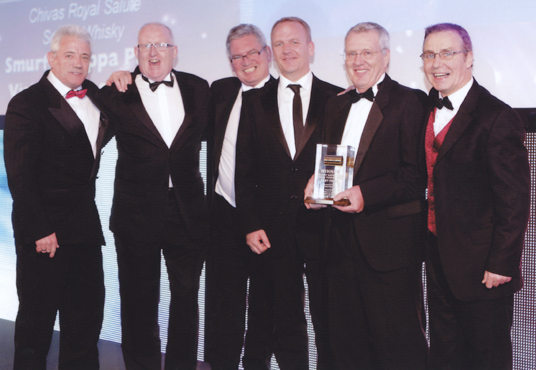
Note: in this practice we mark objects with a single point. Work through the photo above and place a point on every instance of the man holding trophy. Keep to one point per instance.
(376, 242)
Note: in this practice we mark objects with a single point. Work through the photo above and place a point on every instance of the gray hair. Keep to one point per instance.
(161, 25)
(371, 26)
(69, 30)
(243, 30)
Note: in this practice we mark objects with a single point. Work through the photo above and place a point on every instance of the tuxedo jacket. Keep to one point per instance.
(389, 230)
(269, 182)
(51, 168)
(223, 96)
(145, 162)
(482, 190)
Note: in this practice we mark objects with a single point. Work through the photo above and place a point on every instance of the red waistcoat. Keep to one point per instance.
(432, 145)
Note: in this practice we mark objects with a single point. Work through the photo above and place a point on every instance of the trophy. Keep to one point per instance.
(334, 172)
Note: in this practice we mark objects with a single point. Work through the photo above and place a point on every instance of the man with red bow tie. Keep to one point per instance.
(53, 135)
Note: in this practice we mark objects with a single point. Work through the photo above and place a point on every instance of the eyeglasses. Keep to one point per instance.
(159, 47)
(250, 56)
(352, 55)
(445, 55)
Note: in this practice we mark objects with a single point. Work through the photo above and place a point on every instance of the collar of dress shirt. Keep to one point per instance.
(258, 86)
(306, 82)
(375, 87)
(62, 89)
(458, 97)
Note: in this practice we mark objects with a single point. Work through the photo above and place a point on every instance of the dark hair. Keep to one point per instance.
(467, 44)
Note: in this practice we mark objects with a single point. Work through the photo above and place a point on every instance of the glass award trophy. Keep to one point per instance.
(334, 173)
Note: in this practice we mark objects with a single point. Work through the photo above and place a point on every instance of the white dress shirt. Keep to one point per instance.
(226, 169)
(84, 108)
(357, 118)
(165, 108)
(285, 96)
(444, 116)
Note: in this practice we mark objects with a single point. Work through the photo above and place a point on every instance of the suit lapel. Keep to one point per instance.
(188, 96)
(271, 114)
(103, 125)
(316, 105)
(66, 116)
(222, 114)
(460, 122)
(92, 92)
(135, 104)
(374, 121)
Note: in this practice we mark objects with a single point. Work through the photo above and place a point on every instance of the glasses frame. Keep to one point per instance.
(446, 55)
(252, 54)
(160, 46)
(366, 55)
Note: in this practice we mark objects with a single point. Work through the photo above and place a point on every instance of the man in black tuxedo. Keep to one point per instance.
(478, 195)
(376, 246)
(277, 139)
(159, 203)
(229, 260)
(53, 136)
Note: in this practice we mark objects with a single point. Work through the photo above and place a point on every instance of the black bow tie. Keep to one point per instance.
(440, 103)
(154, 85)
(355, 96)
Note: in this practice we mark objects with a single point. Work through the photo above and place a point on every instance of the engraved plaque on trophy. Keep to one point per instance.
(334, 173)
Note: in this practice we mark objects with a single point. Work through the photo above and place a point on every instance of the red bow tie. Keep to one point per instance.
(78, 93)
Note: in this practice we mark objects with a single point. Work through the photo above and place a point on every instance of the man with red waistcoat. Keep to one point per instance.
(478, 196)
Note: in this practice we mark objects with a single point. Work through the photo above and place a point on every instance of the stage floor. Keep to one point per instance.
(110, 354)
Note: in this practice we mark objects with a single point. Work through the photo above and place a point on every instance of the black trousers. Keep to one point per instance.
(283, 287)
(229, 265)
(465, 335)
(139, 281)
(376, 318)
(282, 320)
(72, 282)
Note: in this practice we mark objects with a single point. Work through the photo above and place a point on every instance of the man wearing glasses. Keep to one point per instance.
(277, 138)
(230, 262)
(375, 260)
(159, 203)
(478, 196)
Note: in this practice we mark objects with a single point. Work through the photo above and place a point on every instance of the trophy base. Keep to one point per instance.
(329, 202)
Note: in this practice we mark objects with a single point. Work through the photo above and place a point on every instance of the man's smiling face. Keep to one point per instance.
(447, 75)
(155, 64)
(292, 49)
(369, 63)
(70, 63)
(250, 70)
